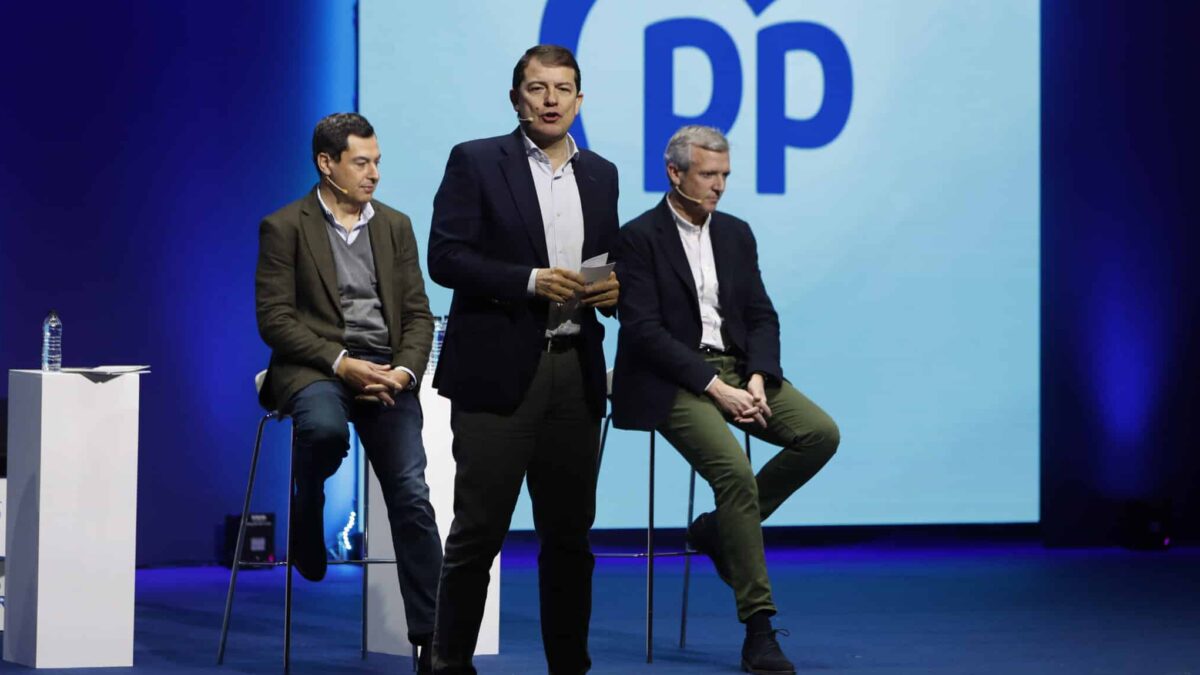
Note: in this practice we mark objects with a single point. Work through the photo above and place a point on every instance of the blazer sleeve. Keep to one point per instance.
(612, 228)
(762, 322)
(416, 321)
(641, 318)
(458, 258)
(275, 301)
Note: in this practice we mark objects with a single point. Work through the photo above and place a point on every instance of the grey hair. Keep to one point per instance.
(679, 148)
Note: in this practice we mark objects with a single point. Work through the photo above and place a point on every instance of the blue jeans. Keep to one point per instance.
(391, 437)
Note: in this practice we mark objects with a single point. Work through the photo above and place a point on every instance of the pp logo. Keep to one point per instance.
(562, 23)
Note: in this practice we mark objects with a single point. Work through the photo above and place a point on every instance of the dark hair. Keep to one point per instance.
(331, 134)
(550, 55)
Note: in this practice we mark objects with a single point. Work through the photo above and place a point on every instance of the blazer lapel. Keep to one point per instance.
(724, 246)
(312, 223)
(590, 198)
(514, 164)
(385, 256)
(668, 233)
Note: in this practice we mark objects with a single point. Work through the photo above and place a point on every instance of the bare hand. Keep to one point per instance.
(360, 374)
(758, 390)
(602, 294)
(400, 379)
(377, 392)
(558, 285)
(737, 403)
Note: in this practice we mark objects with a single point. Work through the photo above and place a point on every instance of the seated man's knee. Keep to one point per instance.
(832, 435)
(824, 437)
(324, 433)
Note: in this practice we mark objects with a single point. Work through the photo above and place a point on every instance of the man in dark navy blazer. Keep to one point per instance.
(522, 361)
(699, 349)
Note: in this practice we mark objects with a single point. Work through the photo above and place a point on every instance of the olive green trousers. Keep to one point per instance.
(808, 438)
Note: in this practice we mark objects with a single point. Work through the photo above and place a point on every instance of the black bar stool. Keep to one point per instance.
(287, 561)
(651, 552)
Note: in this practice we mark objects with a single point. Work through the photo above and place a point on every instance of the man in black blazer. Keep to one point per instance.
(522, 360)
(699, 349)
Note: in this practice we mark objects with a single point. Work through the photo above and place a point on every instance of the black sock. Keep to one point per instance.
(759, 622)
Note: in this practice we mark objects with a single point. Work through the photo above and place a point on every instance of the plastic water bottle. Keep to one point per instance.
(439, 336)
(52, 343)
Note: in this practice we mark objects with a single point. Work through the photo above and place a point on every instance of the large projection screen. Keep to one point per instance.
(885, 154)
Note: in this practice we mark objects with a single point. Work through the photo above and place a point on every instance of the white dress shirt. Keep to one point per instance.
(562, 221)
(697, 246)
(364, 217)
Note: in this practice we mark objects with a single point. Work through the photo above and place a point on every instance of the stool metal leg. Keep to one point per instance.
(366, 498)
(687, 563)
(603, 441)
(650, 563)
(287, 584)
(241, 538)
(748, 457)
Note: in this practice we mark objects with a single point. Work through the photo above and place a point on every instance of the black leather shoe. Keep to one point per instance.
(761, 654)
(308, 533)
(702, 536)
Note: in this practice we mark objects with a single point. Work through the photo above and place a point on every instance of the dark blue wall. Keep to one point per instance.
(143, 141)
(1120, 264)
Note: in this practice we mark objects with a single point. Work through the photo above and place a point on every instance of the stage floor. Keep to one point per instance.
(878, 608)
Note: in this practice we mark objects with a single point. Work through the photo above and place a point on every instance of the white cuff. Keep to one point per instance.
(412, 378)
(531, 287)
(338, 361)
(710, 383)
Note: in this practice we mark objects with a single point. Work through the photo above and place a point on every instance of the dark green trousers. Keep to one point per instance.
(807, 436)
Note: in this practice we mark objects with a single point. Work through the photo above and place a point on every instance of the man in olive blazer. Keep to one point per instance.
(299, 309)
(341, 302)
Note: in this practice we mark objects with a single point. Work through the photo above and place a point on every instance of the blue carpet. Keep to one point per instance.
(861, 608)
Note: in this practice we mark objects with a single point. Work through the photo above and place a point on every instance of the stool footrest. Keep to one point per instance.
(368, 561)
(643, 554)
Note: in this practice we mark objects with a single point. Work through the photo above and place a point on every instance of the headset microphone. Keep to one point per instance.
(524, 119)
(686, 195)
(339, 187)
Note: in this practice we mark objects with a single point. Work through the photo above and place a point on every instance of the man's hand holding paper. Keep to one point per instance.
(558, 285)
(602, 294)
(601, 288)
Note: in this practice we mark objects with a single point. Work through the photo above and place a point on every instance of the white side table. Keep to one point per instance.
(3, 515)
(72, 516)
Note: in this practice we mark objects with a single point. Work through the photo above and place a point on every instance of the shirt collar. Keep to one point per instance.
(364, 217)
(540, 155)
(683, 223)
